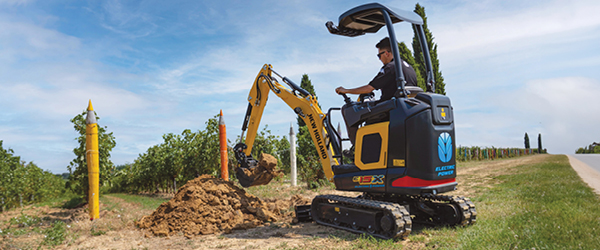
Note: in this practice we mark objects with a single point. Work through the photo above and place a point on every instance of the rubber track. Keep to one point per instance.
(403, 221)
(467, 207)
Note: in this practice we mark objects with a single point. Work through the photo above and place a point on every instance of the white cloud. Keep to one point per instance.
(561, 109)
(69, 99)
(473, 35)
(562, 102)
(21, 40)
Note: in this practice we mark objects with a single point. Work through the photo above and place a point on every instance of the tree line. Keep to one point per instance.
(24, 183)
(490, 153)
(593, 148)
(182, 157)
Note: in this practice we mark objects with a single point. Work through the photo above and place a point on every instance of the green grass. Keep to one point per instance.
(59, 201)
(26, 224)
(56, 234)
(146, 202)
(280, 188)
(20, 225)
(73, 202)
(370, 242)
(274, 189)
(96, 232)
(541, 206)
(24, 220)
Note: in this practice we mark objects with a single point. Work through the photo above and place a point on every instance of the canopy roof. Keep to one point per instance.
(368, 18)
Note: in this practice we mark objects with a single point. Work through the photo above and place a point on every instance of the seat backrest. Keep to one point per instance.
(357, 113)
(414, 90)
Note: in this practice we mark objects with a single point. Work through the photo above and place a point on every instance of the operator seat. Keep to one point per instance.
(413, 90)
(373, 112)
(356, 113)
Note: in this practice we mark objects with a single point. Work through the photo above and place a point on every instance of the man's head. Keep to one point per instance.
(384, 54)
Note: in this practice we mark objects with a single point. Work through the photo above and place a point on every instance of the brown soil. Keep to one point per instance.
(207, 205)
(261, 174)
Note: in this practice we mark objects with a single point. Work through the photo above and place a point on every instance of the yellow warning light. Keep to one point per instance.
(443, 114)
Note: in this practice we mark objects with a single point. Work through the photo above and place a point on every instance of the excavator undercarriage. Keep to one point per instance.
(388, 217)
(378, 218)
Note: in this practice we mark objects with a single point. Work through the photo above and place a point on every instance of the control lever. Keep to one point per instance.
(346, 98)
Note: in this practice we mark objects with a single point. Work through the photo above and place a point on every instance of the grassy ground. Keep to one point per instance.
(534, 202)
(544, 205)
(149, 202)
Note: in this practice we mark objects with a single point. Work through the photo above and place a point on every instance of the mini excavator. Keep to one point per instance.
(404, 150)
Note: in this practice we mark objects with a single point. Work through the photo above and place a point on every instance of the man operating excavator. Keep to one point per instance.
(385, 81)
(405, 146)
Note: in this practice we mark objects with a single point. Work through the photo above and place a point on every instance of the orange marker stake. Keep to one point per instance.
(223, 146)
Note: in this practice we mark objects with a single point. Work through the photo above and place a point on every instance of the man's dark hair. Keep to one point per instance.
(384, 44)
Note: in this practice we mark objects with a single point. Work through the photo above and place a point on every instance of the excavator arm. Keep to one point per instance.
(300, 101)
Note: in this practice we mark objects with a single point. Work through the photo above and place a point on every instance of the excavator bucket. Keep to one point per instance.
(254, 173)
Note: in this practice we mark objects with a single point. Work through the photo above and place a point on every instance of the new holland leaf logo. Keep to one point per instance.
(445, 147)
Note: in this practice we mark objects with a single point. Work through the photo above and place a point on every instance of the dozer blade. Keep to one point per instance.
(251, 172)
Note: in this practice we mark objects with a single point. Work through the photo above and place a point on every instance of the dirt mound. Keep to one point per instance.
(207, 205)
(261, 174)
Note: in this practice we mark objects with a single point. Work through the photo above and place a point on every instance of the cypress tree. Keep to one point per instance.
(440, 86)
(306, 85)
(310, 169)
(526, 141)
(407, 56)
(540, 143)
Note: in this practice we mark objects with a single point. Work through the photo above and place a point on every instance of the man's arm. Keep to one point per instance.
(360, 90)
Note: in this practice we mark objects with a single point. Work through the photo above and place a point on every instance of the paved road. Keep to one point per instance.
(592, 160)
(588, 168)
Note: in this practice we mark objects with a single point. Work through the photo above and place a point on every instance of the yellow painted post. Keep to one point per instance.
(93, 162)
(223, 147)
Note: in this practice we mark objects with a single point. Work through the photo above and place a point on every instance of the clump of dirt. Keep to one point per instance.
(207, 205)
(262, 174)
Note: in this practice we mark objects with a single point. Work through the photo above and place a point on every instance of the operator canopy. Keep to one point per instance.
(369, 18)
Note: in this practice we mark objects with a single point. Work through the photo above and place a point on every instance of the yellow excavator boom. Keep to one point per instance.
(299, 100)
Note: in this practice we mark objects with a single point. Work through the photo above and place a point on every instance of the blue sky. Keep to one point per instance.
(156, 67)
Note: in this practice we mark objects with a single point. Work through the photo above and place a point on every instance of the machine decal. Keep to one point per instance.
(315, 131)
(443, 114)
(445, 170)
(369, 181)
(445, 147)
(399, 163)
